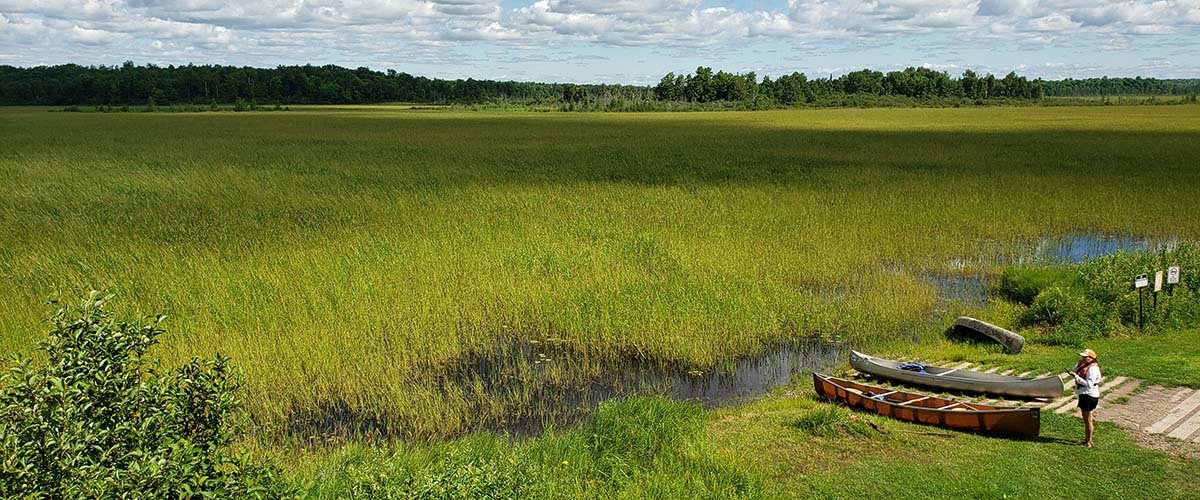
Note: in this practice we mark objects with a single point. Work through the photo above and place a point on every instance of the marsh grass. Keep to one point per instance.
(349, 257)
(656, 448)
(832, 421)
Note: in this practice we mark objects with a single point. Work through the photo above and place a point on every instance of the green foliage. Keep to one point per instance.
(637, 432)
(832, 421)
(1074, 304)
(634, 448)
(95, 421)
(673, 238)
(1022, 284)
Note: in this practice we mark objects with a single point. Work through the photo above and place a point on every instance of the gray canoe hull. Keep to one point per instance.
(1011, 341)
(960, 380)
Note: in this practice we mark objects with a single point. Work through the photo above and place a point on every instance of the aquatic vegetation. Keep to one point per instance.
(357, 262)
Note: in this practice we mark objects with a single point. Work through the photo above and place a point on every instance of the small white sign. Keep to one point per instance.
(1158, 276)
(1172, 275)
(1141, 281)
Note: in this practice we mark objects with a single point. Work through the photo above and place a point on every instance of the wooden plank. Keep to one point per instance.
(1007, 372)
(1189, 426)
(1176, 414)
(962, 366)
(1103, 388)
(992, 369)
(1114, 383)
(911, 401)
(1066, 407)
(1058, 402)
(1026, 374)
(1107, 386)
(1125, 388)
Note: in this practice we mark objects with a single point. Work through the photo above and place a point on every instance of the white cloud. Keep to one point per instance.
(391, 30)
(88, 36)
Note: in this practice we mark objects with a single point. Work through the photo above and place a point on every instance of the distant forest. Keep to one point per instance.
(130, 84)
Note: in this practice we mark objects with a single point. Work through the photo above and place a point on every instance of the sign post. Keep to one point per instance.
(1172, 279)
(1140, 282)
(1158, 282)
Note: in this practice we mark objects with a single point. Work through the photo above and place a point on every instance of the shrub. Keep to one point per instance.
(1022, 284)
(96, 421)
(1094, 298)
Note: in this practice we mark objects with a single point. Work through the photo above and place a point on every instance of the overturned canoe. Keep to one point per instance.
(1011, 341)
(930, 410)
(959, 380)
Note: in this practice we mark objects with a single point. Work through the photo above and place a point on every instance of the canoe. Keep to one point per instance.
(960, 380)
(931, 410)
(971, 326)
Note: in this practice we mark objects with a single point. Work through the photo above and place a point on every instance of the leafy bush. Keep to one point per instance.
(1022, 284)
(1071, 305)
(1057, 305)
(96, 421)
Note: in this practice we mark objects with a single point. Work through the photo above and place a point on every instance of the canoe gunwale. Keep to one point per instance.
(1015, 421)
(961, 380)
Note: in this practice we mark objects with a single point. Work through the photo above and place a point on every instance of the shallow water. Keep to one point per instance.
(521, 380)
(971, 287)
(521, 386)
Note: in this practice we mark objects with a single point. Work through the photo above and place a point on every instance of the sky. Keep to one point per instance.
(616, 41)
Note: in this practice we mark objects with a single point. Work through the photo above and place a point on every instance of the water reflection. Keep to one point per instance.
(521, 387)
(969, 285)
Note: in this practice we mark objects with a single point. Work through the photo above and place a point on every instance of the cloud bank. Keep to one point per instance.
(435, 32)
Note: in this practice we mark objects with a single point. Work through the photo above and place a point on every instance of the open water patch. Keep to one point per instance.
(969, 282)
(522, 387)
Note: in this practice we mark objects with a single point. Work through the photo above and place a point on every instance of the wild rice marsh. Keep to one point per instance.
(347, 258)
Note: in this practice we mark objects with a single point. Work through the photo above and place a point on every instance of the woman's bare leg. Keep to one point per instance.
(1088, 428)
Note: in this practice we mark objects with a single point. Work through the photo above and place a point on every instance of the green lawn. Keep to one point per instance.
(658, 449)
(1169, 358)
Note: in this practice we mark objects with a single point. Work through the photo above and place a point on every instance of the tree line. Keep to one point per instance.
(130, 84)
(1089, 87)
(706, 86)
(72, 84)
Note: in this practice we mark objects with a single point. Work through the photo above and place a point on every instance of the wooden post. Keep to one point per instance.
(1141, 319)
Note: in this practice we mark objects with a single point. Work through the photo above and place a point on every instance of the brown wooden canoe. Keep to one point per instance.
(931, 410)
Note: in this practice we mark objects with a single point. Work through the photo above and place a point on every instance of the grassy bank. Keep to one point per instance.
(346, 257)
(787, 446)
(1167, 358)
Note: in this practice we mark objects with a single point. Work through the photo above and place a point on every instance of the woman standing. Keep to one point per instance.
(1087, 387)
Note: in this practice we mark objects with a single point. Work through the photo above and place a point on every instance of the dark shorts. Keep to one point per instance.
(1088, 403)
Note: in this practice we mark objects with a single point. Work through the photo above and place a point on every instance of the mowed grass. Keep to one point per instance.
(785, 446)
(1169, 358)
(350, 254)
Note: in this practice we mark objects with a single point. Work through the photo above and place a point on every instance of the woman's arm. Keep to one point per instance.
(1093, 376)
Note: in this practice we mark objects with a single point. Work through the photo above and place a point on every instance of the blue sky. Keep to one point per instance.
(617, 41)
